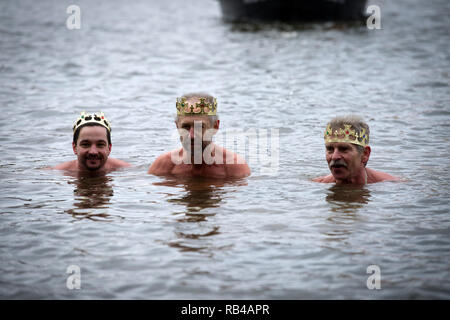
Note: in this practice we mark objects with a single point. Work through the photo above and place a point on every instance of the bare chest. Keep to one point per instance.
(204, 171)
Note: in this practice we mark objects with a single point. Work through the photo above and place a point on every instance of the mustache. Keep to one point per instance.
(338, 164)
(93, 157)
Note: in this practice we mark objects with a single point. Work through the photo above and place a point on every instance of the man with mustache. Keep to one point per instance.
(197, 122)
(347, 152)
(92, 145)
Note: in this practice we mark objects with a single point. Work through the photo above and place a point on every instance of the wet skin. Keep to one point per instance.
(347, 165)
(92, 150)
(200, 128)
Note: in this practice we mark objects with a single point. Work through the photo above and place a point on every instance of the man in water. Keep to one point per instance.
(197, 122)
(347, 152)
(92, 145)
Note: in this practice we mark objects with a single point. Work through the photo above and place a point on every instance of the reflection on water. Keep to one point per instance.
(253, 27)
(347, 199)
(91, 192)
(199, 194)
(280, 237)
(345, 202)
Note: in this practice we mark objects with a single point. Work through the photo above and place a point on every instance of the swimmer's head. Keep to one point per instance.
(348, 129)
(197, 104)
(87, 120)
(92, 141)
(196, 119)
(347, 147)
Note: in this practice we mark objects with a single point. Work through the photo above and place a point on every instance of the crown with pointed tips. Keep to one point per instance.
(200, 108)
(98, 118)
(347, 135)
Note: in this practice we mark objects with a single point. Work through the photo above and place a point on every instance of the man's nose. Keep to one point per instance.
(195, 133)
(336, 155)
(93, 149)
(192, 133)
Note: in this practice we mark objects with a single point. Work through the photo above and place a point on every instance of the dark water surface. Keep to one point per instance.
(265, 237)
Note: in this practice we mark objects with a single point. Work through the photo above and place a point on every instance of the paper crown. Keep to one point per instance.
(200, 108)
(347, 135)
(97, 118)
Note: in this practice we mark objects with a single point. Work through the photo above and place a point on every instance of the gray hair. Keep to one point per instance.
(356, 122)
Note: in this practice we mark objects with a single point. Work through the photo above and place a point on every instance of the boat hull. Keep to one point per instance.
(292, 10)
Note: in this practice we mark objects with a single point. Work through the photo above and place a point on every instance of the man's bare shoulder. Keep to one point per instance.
(378, 176)
(163, 164)
(238, 167)
(117, 163)
(325, 179)
(69, 165)
(238, 170)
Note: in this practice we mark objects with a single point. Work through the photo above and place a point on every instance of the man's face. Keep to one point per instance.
(344, 160)
(196, 127)
(92, 148)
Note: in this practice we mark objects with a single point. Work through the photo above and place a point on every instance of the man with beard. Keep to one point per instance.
(347, 152)
(92, 145)
(197, 122)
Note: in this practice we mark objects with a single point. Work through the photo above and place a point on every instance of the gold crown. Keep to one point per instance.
(346, 135)
(200, 108)
(98, 118)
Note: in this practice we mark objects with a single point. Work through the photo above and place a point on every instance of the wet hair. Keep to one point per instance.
(356, 122)
(197, 96)
(90, 124)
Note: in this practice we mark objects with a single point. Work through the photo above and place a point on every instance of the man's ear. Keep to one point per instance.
(366, 155)
(109, 147)
(217, 124)
(74, 147)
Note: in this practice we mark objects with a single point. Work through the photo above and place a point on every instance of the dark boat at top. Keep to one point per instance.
(292, 10)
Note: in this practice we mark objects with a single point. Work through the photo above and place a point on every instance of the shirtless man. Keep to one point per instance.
(197, 122)
(92, 146)
(347, 152)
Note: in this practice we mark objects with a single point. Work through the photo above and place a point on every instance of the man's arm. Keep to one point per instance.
(378, 176)
(162, 165)
(325, 179)
(116, 163)
(70, 165)
(238, 168)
